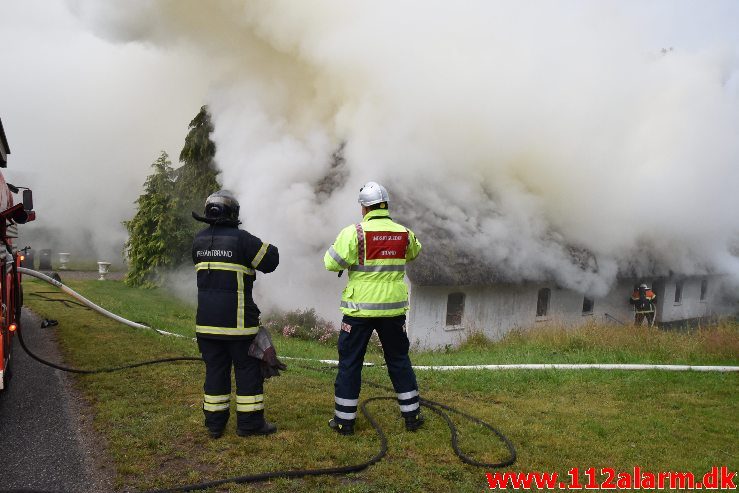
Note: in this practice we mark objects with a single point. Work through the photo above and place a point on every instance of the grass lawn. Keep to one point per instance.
(152, 420)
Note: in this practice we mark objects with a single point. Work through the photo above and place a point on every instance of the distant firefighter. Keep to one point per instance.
(644, 301)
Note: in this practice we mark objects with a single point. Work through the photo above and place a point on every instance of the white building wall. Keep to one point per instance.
(690, 305)
(615, 306)
(494, 310)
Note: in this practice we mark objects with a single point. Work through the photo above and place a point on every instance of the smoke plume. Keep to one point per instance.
(85, 118)
(572, 141)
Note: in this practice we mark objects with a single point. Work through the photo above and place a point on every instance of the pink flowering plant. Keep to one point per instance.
(302, 324)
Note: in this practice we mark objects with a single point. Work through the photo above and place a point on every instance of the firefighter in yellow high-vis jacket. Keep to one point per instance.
(374, 252)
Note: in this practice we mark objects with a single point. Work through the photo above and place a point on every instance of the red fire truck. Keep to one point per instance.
(10, 258)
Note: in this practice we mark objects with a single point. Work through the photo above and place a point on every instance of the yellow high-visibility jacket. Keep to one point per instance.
(374, 252)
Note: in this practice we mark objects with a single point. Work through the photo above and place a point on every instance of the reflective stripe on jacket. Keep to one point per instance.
(374, 252)
(226, 260)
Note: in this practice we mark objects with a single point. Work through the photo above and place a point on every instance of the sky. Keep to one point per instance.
(509, 134)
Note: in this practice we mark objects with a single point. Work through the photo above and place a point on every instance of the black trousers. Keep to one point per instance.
(353, 339)
(639, 317)
(219, 356)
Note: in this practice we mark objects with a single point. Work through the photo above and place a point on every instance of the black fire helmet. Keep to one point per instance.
(221, 207)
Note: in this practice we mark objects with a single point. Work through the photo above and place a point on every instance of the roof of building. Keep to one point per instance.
(441, 266)
(452, 258)
(4, 147)
(445, 261)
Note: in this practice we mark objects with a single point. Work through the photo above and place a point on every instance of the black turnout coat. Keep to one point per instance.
(226, 260)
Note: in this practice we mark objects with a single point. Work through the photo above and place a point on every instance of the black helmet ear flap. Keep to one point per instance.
(202, 219)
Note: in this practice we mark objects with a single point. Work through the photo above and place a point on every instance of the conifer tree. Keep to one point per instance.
(196, 178)
(161, 233)
(156, 231)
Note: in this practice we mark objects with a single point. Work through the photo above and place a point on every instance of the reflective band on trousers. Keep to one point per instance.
(373, 306)
(344, 415)
(214, 408)
(409, 407)
(260, 255)
(339, 260)
(216, 399)
(249, 399)
(249, 403)
(249, 408)
(227, 331)
(346, 402)
(378, 268)
(224, 266)
(215, 403)
(407, 395)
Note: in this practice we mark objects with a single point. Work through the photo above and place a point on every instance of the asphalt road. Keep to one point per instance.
(46, 441)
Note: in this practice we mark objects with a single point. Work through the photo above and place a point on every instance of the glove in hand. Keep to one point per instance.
(263, 350)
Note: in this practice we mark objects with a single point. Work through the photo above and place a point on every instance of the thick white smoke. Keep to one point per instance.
(85, 118)
(539, 140)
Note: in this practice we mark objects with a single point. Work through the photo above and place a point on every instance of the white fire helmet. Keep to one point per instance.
(644, 286)
(372, 193)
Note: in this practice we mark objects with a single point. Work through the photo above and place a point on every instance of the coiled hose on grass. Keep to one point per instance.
(438, 408)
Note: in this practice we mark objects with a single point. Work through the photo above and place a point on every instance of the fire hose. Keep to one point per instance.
(74, 294)
(438, 408)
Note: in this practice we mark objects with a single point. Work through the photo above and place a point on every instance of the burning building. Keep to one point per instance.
(446, 314)
(456, 295)
(517, 129)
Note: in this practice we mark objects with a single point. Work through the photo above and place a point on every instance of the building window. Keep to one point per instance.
(454, 308)
(542, 302)
(679, 292)
(704, 289)
(587, 306)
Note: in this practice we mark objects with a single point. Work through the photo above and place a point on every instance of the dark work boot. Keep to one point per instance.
(341, 428)
(266, 429)
(215, 432)
(414, 422)
(215, 423)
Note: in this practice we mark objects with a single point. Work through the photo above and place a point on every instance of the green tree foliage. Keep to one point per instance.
(156, 231)
(198, 172)
(197, 177)
(160, 234)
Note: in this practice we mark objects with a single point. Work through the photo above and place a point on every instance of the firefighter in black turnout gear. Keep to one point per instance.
(226, 260)
(645, 304)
